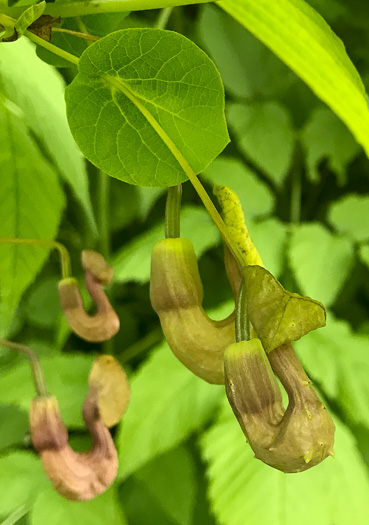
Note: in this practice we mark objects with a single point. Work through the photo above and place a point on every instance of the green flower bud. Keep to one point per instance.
(292, 440)
(176, 294)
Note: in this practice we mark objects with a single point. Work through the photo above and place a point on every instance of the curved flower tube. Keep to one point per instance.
(176, 294)
(93, 328)
(289, 440)
(76, 476)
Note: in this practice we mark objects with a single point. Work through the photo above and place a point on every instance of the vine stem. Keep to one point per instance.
(117, 84)
(37, 373)
(69, 9)
(242, 322)
(85, 36)
(64, 254)
(163, 18)
(173, 212)
(50, 47)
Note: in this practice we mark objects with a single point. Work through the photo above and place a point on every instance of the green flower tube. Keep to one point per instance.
(176, 294)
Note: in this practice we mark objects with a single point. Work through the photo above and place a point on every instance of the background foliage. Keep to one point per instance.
(304, 183)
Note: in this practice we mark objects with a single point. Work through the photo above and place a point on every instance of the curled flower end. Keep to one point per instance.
(76, 476)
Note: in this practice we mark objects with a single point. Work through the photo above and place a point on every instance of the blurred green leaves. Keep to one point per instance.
(333, 492)
(298, 43)
(320, 261)
(168, 403)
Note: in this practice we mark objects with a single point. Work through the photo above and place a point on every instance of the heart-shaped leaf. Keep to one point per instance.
(277, 315)
(155, 91)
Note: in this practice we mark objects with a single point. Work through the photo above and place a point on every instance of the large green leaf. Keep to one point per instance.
(53, 509)
(38, 90)
(265, 135)
(244, 490)
(32, 204)
(156, 91)
(277, 315)
(321, 261)
(168, 403)
(302, 39)
(171, 479)
(132, 262)
(66, 378)
(256, 198)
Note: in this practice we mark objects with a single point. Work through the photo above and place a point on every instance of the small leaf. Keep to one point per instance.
(168, 403)
(28, 16)
(347, 216)
(103, 509)
(108, 379)
(265, 135)
(256, 198)
(321, 261)
(326, 137)
(277, 315)
(171, 479)
(132, 262)
(152, 89)
(239, 483)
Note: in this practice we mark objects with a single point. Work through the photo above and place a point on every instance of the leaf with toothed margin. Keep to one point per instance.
(154, 91)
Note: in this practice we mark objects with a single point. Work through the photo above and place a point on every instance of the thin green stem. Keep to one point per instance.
(163, 18)
(105, 235)
(15, 516)
(50, 47)
(63, 252)
(85, 36)
(242, 317)
(296, 187)
(117, 84)
(37, 373)
(68, 9)
(103, 214)
(173, 212)
(141, 346)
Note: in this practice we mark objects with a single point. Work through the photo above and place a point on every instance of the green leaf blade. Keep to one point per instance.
(32, 204)
(153, 89)
(333, 492)
(303, 40)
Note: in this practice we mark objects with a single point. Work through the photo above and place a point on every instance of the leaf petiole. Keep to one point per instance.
(85, 36)
(64, 254)
(50, 47)
(37, 373)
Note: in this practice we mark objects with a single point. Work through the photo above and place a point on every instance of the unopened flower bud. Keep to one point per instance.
(93, 328)
(176, 294)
